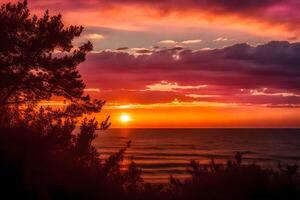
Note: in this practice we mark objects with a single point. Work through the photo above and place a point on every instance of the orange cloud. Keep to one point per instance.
(168, 42)
(92, 90)
(94, 36)
(191, 41)
(276, 18)
(167, 86)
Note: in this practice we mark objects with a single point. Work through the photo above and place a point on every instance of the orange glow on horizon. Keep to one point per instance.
(195, 115)
(206, 117)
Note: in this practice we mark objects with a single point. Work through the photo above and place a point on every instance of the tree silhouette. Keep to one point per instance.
(38, 59)
(42, 156)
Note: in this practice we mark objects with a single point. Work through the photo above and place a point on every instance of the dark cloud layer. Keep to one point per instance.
(281, 12)
(227, 71)
(284, 13)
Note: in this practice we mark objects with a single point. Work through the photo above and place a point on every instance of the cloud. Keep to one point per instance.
(221, 39)
(277, 18)
(167, 42)
(264, 92)
(191, 41)
(274, 65)
(92, 90)
(204, 49)
(94, 36)
(195, 41)
(174, 103)
(201, 95)
(168, 87)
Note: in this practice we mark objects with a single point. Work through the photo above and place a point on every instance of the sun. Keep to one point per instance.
(125, 118)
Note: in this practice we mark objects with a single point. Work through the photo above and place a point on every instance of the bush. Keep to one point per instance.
(41, 157)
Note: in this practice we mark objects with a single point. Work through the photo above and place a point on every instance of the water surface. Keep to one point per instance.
(161, 152)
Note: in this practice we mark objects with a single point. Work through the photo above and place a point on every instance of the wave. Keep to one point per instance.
(161, 152)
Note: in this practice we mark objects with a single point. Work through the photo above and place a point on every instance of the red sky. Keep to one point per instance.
(188, 63)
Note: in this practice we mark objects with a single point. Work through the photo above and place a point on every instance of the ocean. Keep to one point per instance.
(164, 152)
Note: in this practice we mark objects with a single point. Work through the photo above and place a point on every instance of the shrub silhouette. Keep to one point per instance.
(236, 181)
(51, 162)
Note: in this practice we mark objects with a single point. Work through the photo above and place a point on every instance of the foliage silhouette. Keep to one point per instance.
(45, 159)
(235, 180)
(38, 60)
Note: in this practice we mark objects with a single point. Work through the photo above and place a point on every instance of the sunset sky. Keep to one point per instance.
(190, 63)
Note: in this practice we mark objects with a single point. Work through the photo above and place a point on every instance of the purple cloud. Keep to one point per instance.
(230, 73)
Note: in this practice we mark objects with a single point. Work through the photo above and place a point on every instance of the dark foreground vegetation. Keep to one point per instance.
(44, 157)
(47, 160)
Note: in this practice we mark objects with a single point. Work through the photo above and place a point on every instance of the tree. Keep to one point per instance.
(42, 156)
(38, 59)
